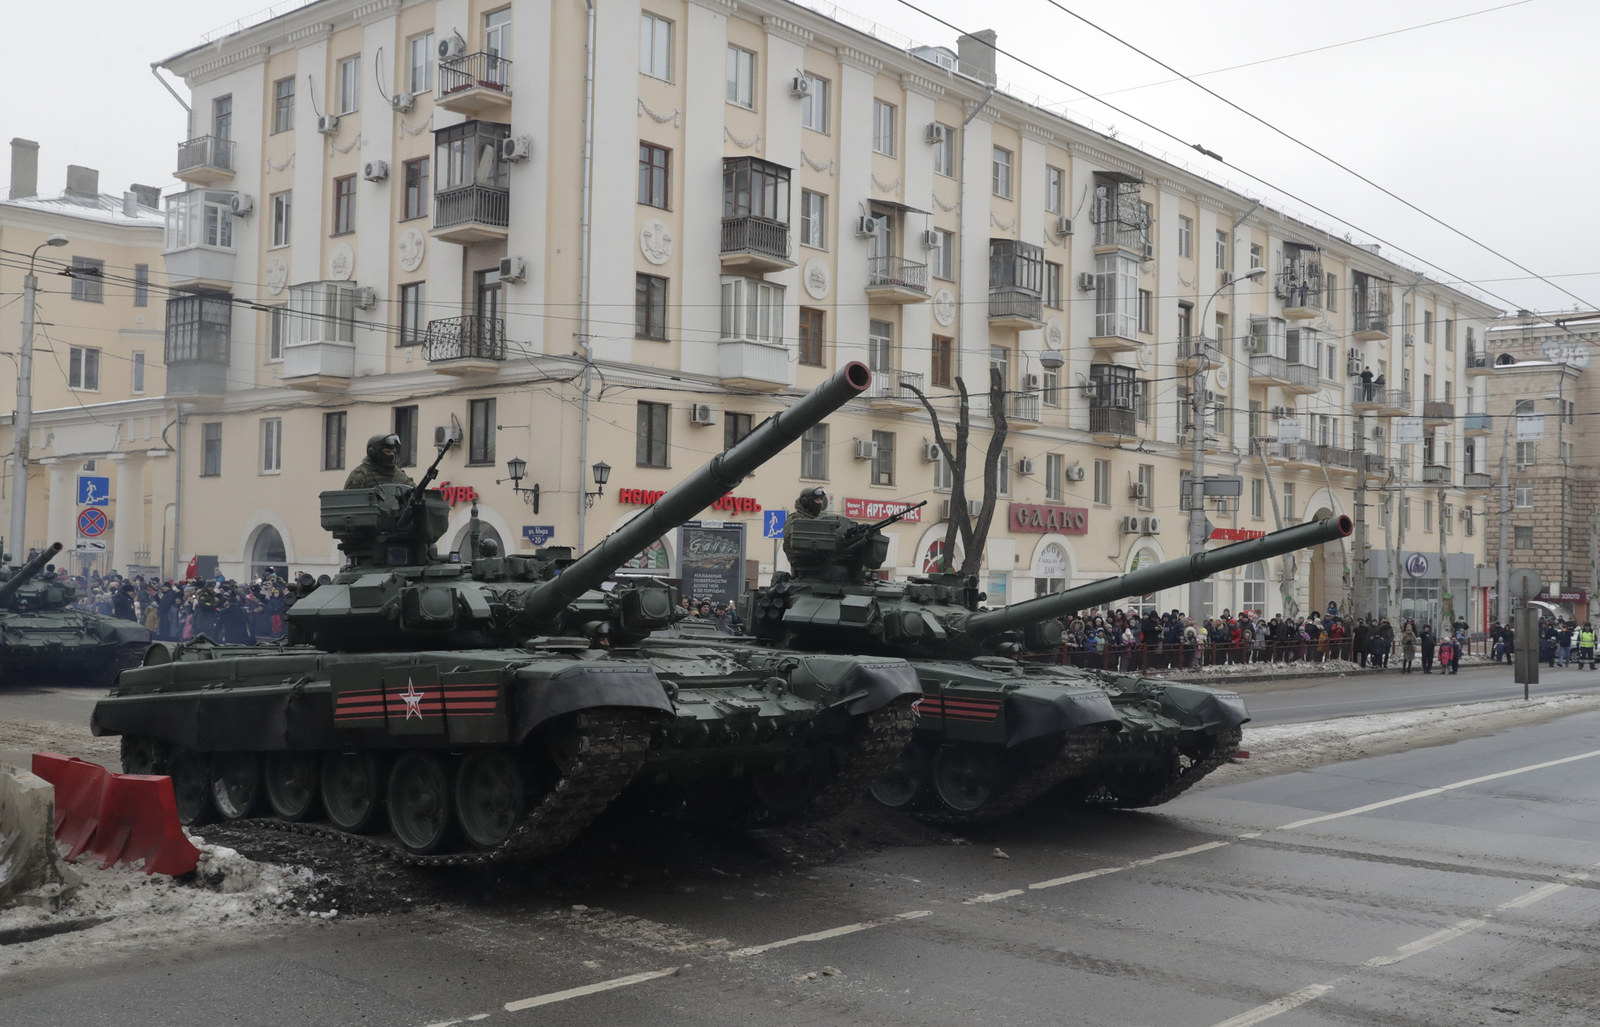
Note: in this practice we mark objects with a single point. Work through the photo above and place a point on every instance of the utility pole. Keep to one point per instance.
(1594, 552)
(1447, 606)
(22, 422)
(1400, 507)
(1503, 571)
(1358, 538)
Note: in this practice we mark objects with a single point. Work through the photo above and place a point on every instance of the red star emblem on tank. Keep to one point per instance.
(413, 700)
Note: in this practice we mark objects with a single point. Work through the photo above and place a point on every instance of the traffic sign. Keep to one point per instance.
(772, 522)
(93, 490)
(91, 545)
(538, 534)
(92, 523)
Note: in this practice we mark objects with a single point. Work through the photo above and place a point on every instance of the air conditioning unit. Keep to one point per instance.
(513, 269)
(1377, 433)
(452, 46)
(1150, 525)
(1075, 472)
(1137, 490)
(328, 124)
(1353, 354)
(366, 298)
(974, 507)
(934, 133)
(1279, 413)
(1466, 513)
(515, 149)
(1063, 225)
(866, 225)
(445, 434)
(930, 452)
(375, 170)
(1149, 251)
(1248, 343)
(1211, 398)
(702, 413)
(1025, 466)
(866, 449)
(1281, 290)
(1449, 510)
(242, 203)
(1031, 380)
(402, 102)
(1130, 525)
(1227, 278)
(1086, 281)
(1409, 340)
(1353, 365)
(930, 239)
(799, 87)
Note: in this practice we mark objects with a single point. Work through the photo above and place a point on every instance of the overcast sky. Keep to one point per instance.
(1485, 122)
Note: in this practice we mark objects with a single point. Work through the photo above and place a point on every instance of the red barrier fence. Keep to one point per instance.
(118, 818)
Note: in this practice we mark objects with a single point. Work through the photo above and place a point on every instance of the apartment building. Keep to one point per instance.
(100, 418)
(455, 214)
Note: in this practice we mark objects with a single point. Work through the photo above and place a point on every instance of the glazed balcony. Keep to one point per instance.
(755, 245)
(477, 85)
(1112, 423)
(471, 213)
(1269, 369)
(461, 346)
(896, 280)
(1477, 362)
(198, 245)
(205, 160)
(1010, 307)
(319, 365)
(1436, 412)
(195, 350)
(1477, 424)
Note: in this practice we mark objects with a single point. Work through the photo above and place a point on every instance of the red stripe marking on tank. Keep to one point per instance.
(372, 710)
(455, 705)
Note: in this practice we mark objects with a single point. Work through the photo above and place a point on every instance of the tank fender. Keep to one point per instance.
(860, 686)
(1210, 706)
(245, 719)
(123, 632)
(1036, 712)
(539, 695)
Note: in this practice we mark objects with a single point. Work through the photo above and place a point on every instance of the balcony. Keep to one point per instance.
(198, 329)
(1436, 412)
(888, 390)
(1374, 463)
(1477, 362)
(1477, 480)
(1115, 335)
(1337, 459)
(1023, 411)
(755, 365)
(1477, 424)
(319, 365)
(1371, 324)
(198, 251)
(1382, 401)
(1193, 348)
(1010, 307)
(896, 280)
(1300, 288)
(464, 346)
(1296, 452)
(1268, 369)
(205, 160)
(1112, 423)
(477, 85)
(1435, 474)
(471, 213)
(755, 245)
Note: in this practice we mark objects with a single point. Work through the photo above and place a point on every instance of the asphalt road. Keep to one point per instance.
(1443, 885)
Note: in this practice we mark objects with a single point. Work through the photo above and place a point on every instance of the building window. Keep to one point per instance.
(811, 329)
(944, 151)
(88, 279)
(654, 165)
(1331, 295)
(650, 307)
(1288, 503)
(655, 47)
(1185, 237)
(138, 372)
(83, 368)
(350, 85)
(943, 474)
(1427, 327)
(1002, 474)
(741, 77)
(813, 219)
(222, 117)
(1222, 250)
(942, 255)
(943, 360)
(283, 105)
(480, 431)
(1524, 495)
(277, 331)
(415, 176)
(344, 204)
(1254, 596)
(1102, 482)
(1052, 285)
(422, 58)
(752, 310)
(1449, 334)
(271, 445)
(141, 285)
(333, 440)
(211, 449)
(650, 449)
(1258, 498)
(883, 128)
(321, 312)
(1523, 537)
(1147, 486)
(1525, 455)
(1146, 300)
(814, 105)
(413, 313)
(406, 421)
(883, 458)
(282, 208)
(1054, 472)
(1053, 183)
(734, 428)
(1051, 390)
(1001, 179)
(1427, 515)
(814, 453)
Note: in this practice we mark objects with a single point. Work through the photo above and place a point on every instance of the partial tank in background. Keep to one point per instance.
(43, 637)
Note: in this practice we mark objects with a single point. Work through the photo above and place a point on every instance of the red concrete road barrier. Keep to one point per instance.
(118, 818)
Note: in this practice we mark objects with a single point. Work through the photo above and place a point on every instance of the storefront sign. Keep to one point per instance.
(1417, 565)
(1035, 517)
(648, 497)
(878, 509)
(712, 561)
(1235, 534)
(454, 494)
(1564, 597)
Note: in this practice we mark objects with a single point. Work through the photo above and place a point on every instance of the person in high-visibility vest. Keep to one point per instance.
(1586, 645)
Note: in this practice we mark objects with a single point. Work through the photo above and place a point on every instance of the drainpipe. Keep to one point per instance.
(583, 272)
(155, 69)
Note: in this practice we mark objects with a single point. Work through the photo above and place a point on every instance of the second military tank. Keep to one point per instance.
(44, 637)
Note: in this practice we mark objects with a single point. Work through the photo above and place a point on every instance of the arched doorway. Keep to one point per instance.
(486, 533)
(1050, 570)
(267, 553)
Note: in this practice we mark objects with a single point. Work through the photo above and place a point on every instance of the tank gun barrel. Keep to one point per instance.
(26, 572)
(699, 490)
(1145, 580)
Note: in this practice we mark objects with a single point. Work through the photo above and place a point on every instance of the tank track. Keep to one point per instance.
(1077, 753)
(1223, 745)
(886, 735)
(612, 745)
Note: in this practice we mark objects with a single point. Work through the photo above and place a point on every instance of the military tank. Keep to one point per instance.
(998, 728)
(42, 636)
(491, 708)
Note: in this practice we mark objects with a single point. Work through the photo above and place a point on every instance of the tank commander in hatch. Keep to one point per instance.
(808, 507)
(379, 467)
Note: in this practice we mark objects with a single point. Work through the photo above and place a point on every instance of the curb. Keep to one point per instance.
(32, 872)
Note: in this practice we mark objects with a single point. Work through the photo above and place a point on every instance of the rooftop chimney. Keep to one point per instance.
(149, 195)
(976, 53)
(24, 168)
(82, 183)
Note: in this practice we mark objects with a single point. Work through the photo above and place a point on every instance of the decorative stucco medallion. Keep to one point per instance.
(944, 307)
(655, 241)
(819, 281)
(277, 275)
(413, 246)
(341, 262)
(1055, 333)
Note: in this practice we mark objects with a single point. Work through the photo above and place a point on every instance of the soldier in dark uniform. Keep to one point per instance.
(809, 506)
(379, 467)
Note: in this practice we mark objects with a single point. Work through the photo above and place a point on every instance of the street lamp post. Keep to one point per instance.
(1197, 471)
(22, 422)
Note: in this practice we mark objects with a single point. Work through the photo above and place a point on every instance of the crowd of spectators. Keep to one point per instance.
(720, 615)
(219, 608)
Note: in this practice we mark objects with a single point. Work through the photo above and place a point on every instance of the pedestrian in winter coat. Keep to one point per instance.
(1425, 637)
(1386, 632)
(1361, 635)
(1408, 647)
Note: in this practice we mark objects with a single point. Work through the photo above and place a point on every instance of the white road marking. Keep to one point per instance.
(994, 896)
(832, 932)
(588, 989)
(1432, 941)
(1103, 871)
(1276, 1006)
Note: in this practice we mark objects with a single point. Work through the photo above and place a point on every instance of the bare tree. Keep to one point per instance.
(973, 532)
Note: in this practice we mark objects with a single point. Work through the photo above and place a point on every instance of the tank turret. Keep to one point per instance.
(26, 572)
(42, 633)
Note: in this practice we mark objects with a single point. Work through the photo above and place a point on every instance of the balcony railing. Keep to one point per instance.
(1364, 395)
(1372, 322)
(1478, 360)
(1024, 407)
(205, 152)
(1337, 457)
(1473, 423)
(472, 205)
(472, 71)
(762, 238)
(1477, 480)
(1435, 474)
(1299, 452)
(897, 273)
(1373, 462)
(1193, 347)
(465, 338)
(1281, 370)
(1301, 288)
(1111, 421)
(1011, 303)
(890, 383)
(1438, 410)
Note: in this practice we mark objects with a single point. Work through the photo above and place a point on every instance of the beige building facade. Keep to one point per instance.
(452, 215)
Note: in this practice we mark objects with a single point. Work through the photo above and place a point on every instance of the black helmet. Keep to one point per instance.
(813, 500)
(382, 448)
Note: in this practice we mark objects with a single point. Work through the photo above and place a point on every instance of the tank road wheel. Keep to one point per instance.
(141, 755)
(236, 784)
(352, 790)
(421, 807)
(965, 777)
(490, 798)
(906, 781)
(291, 784)
(191, 786)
